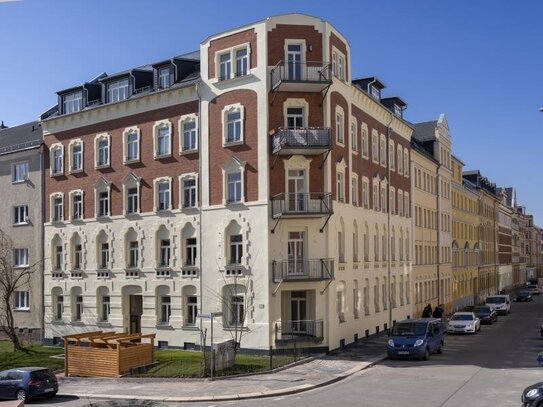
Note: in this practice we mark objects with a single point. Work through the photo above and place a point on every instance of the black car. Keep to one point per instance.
(486, 314)
(532, 396)
(25, 383)
(524, 296)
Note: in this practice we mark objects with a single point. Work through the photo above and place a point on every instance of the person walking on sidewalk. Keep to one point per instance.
(427, 311)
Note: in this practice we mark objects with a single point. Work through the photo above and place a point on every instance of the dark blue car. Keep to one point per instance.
(415, 338)
(28, 382)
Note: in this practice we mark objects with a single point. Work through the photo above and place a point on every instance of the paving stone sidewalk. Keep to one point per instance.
(317, 372)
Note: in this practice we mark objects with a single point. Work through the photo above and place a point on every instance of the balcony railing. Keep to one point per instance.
(313, 204)
(316, 74)
(306, 140)
(303, 270)
(308, 330)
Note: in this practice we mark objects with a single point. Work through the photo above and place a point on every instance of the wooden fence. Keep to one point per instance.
(106, 354)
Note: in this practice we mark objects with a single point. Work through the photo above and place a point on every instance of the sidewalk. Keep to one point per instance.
(317, 372)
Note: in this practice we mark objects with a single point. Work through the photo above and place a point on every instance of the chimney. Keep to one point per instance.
(2, 126)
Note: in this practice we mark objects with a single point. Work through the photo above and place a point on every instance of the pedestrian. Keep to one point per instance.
(427, 311)
(438, 312)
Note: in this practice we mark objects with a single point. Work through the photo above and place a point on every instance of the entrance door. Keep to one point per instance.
(296, 191)
(298, 312)
(294, 59)
(296, 244)
(136, 310)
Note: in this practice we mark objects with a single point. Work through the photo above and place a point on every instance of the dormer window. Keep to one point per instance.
(398, 111)
(164, 77)
(375, 92)
(72, 102)
(118, 90)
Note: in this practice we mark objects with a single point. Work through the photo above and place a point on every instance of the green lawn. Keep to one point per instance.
(33, 355)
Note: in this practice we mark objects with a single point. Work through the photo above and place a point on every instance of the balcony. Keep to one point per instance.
(303, 270)
(293, 331)
(309, 205)
(304, 76)
(303, 141)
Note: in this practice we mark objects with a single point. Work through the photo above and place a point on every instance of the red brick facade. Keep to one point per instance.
(277, 37)
(248, 36)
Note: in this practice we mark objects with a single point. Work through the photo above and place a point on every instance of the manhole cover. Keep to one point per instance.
(127, 403)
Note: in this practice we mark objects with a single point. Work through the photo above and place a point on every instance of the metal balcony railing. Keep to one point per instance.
(303, 139)
(303, 270)
(295, 204)
(309, 329)
(307, 71)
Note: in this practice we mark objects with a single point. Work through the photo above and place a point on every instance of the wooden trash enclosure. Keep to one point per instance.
(106, 354)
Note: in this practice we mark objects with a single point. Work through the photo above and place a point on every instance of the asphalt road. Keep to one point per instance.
(488, 369)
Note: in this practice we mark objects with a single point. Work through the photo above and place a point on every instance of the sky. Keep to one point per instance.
(479, 62)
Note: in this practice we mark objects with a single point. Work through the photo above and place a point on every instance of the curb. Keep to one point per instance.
(234, 397)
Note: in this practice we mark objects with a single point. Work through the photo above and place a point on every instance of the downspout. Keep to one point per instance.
(42, 242)
(389, 248)
(438, 206)
(200, 212)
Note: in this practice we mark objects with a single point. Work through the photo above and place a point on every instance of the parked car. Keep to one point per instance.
(532, 396)
(486, 314)
(416, 338)
(501, 303)
(524, 296)
(541, 330)
(25, 383)
(540, 358)
(468, 308)
(464, 322)
(533, 289)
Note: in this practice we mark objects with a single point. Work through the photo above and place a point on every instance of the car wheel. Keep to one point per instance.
(426, 354)
(20, 395)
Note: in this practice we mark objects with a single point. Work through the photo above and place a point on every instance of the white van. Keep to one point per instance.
(501, 303)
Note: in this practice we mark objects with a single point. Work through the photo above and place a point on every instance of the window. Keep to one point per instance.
(132, 200)
(20, 215)
(340, 137)
(365, 194)
(102, 152)
(375, 92)
(400, 160)
(374, 147)
(20, 257)
(383, 197)
(406, 162)
(234, 187)
(225, 66)
(59, 307)
(72, 102)
(57, 208)
(407, 204)
(164, 260)
(118, 90)
(104, 315)
(242, 62)
(57, 160)
(76, 157)
(365, 141)
(22, 300)
(78, 256)
(19, 172)
(354, 191)
(400, 202)
(338, 65)
(104, 256)
(133, 254)
(190, 258)
(162, 141)
(233, 125)
(237, 307)
(78, 312)
(392, 201)
(391, 155)
(165, 309)
(189, 135)
(295, 117)
(77, 205)
(236, 249)
(189, 193)
(354, 138)
(383, 152)
(233, 63)
(164, 77)
(340, 186)
(58, 258)
(132, 147)
(163, 196)
(375, 196)
(103, 203)
(192, 310)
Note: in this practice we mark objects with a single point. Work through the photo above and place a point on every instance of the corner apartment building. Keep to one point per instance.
(488, 232)
(534, 265)
(21, 183)
(252, 178)
(432, 172)
(465, 235)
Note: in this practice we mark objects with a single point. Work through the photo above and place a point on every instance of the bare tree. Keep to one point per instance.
(12, 279)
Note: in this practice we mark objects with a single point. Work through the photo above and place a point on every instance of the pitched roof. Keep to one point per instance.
(22, 137)
(425, 131)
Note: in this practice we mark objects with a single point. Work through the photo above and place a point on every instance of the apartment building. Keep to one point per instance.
(432, 173)
(534, 265)
(508, 269)
(253, 178)
(488, 232)
(21, 183)
(465, 235)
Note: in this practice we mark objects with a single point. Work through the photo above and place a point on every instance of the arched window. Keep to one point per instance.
(103, 304)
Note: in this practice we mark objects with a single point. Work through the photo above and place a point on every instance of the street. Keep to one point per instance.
(488, 369)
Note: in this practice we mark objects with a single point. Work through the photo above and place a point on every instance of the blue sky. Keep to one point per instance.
(479, 62)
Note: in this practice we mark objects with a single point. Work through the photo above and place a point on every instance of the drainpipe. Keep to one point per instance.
(200, 212)
(389, 248)
(438, 206)
(42, 242)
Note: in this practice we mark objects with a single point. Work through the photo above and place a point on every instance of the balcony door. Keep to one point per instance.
(294, 62)
(296, 191)
(296, 253)
(295, 118)
(298, 312)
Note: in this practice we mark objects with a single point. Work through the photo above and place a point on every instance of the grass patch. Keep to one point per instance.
(32, 355)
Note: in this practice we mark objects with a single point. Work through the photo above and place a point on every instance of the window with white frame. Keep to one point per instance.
(21, 300)
(76, 156)
(365, 194)
(354, 191)
(338, 65)
(57, 159)
(383, 150)
(237, 310)
(407, 204)
(165, 77)
(233, 63)
(20, 257)
(233, 180)
(190, 251)
(340, 136)
(72, 102)
(406, 162)
(104, 256)
(383, 197)
(78, 311)
(163, 197)
(20, 215)
(375, 195)
(400, 159)
(340, 186)
(374, 146)
(78, 256)
(163, 140)
(164, 253)
(365, 141)
(102, 151)
(354, 138)
(58, 307)
(242, 62)
(189, 192)
(392, 200)
(192, 310)
(234, 187)
(57, 208)
(103, 203)
(19, 172)
(132, 145)
(58, 257)
(132, 198)
(188, 132)
(105, 308)
(225, 66)
(118, 90)
(233, 127)
(236, 249)
(165, 309)
(391, 155)
(400, 202)
(77, 205)
(133, 254)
